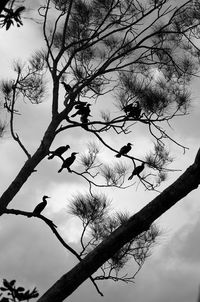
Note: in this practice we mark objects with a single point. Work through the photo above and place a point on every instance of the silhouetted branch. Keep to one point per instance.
(53, 227)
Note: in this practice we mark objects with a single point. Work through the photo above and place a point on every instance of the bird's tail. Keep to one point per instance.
(51, 156)
(118, 155)
(130, 177)
(60, 170)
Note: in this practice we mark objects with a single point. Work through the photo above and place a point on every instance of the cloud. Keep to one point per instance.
(184, 246)
(31, 254)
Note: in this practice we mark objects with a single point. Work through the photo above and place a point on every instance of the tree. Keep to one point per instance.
(142, 58)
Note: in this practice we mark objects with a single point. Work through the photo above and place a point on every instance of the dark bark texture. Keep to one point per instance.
(137, 224)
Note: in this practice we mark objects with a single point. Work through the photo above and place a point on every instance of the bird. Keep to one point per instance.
(68, 91)
(80, 105)
(67, 87)
(58, 152)
(68, 162)
(84, 120)
(128, 108)
(124, 150)
(86, 110)
(137, 171)
(40, 207)
(82, 110)
(135, 111)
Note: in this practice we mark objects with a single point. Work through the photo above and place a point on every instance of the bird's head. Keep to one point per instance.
(129, 144)
(45, 197)
(68, 146)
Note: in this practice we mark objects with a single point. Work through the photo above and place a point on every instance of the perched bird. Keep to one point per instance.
(67, 87)
(70, 95)
(135, 111)
(84, 120)
(128, 108)
(59, 151)
(86, 111)
(124, 150)
(82, 110)
(40, 207)
(68, 162)
(80, 105)
(137, 171)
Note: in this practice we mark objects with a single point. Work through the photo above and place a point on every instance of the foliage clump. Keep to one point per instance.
(11, 292)
(98, 224)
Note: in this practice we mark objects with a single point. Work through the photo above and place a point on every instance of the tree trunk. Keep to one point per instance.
(29, 166)
(137, 224)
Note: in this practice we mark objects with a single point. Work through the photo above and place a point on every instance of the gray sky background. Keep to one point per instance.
(29, 251)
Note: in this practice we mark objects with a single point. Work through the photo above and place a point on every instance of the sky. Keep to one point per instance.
(30, 252)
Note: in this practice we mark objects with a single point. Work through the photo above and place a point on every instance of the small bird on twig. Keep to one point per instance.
(124, 150)
(67, 87)
(58, 152)
(127, 108)
(80, 105)
(84, 120)
(69, 91)
(137, 171)
(133, 110)
(82, 110)
(68, 162)
(40, 207)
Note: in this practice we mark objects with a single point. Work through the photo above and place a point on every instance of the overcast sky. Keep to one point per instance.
(29, 251)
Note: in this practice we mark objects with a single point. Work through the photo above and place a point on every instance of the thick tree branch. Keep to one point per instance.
(29, 166)
(137, 224)
(53, 227)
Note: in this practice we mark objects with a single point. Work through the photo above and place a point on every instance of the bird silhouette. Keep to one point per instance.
(68, 162)
(67, 87)
(124, 150)
(58, 152)
(135, 111)
(128, 108)
(80, 105)
(84, 120)
(137, 171)
(82, 110)
(40, 207)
